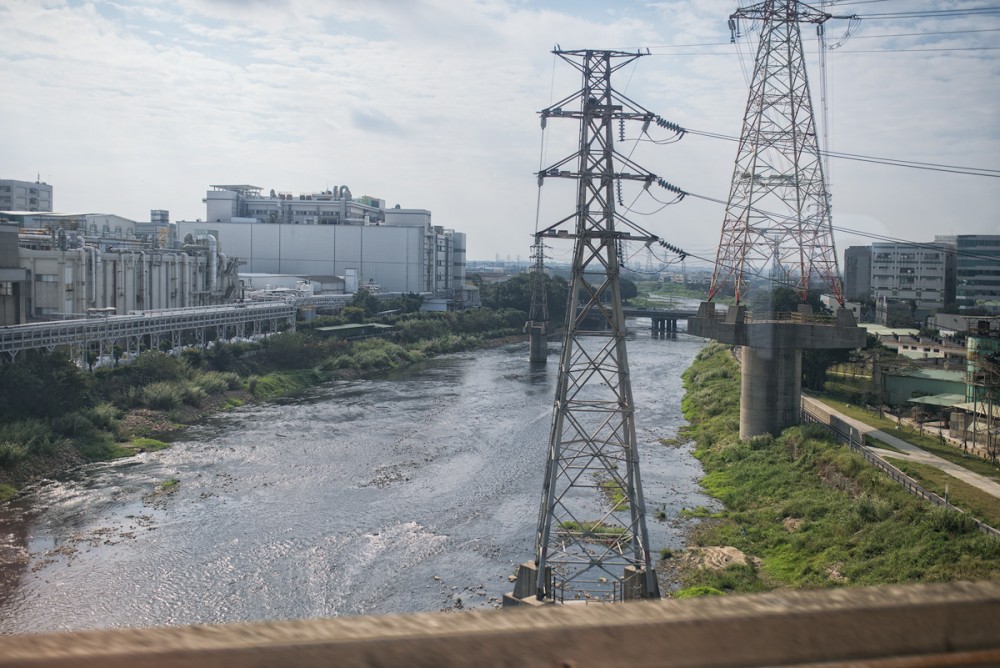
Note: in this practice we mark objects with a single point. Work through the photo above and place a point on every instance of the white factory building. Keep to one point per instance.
(331, 233)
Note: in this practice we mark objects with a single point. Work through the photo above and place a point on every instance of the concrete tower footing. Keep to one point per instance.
(771, 378)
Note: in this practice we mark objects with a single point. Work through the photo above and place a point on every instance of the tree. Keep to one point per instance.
(627, 289)
(367, 302)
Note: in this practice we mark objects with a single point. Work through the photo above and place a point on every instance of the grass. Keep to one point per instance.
(143, 444)
(983, 506)
(877, 443)
(809, 512)
(169, 485)
(615, 494)
(598, 531)
(7, 492)
(281, 383)
(926, 442)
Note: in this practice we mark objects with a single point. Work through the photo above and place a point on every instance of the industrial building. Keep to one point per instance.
(25, 195)
(917, 273)
(332, 233)
(58, 265)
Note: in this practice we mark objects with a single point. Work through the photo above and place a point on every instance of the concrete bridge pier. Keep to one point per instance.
(770, 388)
(771, 357)
(538, 345)
(663, 324)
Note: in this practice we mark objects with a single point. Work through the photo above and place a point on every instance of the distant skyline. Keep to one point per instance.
(124, 106)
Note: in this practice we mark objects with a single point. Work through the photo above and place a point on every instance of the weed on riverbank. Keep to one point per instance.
(807, 512)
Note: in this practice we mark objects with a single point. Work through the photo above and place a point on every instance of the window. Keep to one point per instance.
(46, 278)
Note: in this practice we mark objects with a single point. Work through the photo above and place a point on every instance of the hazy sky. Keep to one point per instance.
(126, 106)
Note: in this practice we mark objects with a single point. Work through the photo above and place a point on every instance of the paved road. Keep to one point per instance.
(908, 451)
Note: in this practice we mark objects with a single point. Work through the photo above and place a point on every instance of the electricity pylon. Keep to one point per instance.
(779, 206)
(591, 541)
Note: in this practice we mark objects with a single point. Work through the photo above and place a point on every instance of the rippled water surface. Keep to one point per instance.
(413, 491)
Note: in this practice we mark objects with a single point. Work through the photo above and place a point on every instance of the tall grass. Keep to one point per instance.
(810, 512)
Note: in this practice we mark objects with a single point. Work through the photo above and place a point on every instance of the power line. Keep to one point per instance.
(922, 34)
(870, 235)
(934, 13)
(950, 48)
(912, 164)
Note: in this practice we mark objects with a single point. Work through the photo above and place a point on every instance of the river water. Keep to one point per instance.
(413, 491)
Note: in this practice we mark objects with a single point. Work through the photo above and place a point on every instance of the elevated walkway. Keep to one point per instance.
(127, 331)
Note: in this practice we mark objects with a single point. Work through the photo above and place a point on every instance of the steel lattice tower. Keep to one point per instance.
(779, 207)
(591, 540)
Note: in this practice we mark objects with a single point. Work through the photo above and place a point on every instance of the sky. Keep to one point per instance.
(130, 105)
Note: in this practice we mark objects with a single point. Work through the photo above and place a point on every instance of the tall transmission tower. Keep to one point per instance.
(591, 541)
(779, 207)
(537, 326)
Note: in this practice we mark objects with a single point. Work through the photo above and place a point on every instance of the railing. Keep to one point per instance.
(790, 317)
(855, 439)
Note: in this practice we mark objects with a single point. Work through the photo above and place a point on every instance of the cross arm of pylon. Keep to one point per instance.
(769, 10)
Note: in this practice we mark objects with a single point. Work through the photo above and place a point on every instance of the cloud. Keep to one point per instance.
(135, 105)
(372, 120)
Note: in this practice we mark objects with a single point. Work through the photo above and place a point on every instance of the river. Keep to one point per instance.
(412, 491)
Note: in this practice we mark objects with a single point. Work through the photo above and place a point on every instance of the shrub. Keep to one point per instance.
(162, 396)
(12, 453)
(35, 435)
(192, 395)
(217, 382)
(952, 522)
(872, 508)
(74, 425)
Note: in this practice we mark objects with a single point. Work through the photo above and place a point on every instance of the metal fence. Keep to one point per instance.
(855, 439)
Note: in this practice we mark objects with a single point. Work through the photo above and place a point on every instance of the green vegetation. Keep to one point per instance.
(169, 485)
(926, 441)
(615, 494)
(142, 444)
(52, 410)
(648, 290)
(596, 531)
(808, 512)
(984, 507)
(694, 592)
(7, 492)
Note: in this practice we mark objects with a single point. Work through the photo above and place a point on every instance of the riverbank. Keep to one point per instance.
(148, 403)
(803, 512)
(346, 499)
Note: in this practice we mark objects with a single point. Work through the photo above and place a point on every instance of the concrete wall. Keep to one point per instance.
(955, 624)
(391, 256)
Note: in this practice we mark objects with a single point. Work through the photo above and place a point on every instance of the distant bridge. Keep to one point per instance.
(663, 320)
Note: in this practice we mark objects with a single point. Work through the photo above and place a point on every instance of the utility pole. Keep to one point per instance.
(779, 207)
(591, 542)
